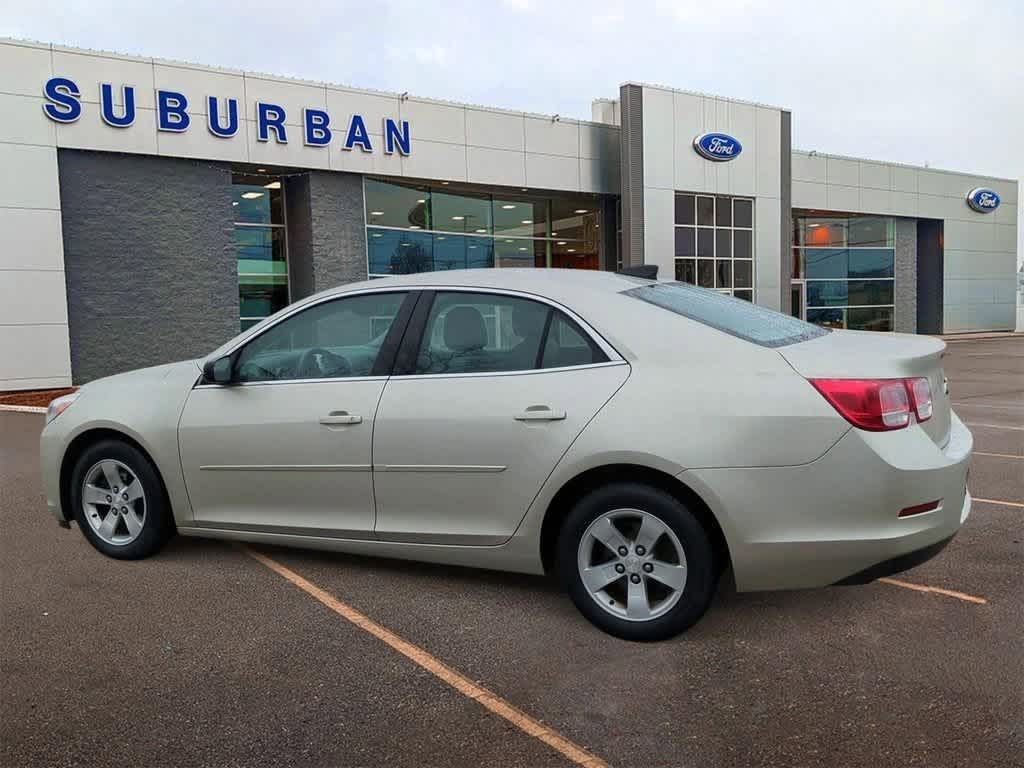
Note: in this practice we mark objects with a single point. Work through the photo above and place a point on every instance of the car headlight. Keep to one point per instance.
(58, 406)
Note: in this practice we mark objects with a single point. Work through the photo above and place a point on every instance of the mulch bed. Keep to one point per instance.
(33, 396)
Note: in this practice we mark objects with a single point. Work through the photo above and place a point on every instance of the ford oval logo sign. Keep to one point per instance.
(983, 200)
(717, 146)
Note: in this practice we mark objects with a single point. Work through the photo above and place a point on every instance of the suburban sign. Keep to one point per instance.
(983, 200)
(63, 105)
(717, 146)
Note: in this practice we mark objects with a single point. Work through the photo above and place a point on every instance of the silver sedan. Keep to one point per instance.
(640, 439)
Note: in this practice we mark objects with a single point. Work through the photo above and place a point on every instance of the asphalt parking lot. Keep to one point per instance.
(204, 655)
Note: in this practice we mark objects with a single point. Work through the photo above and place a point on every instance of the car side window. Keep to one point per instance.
(493, 333)
(332, 340)
(567, 345)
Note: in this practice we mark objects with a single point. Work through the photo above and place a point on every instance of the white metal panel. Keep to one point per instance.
(876, 175)
(495, 166)
(374, 108)
(843, 172)
(90, 132)
(552, 171)
(688, 113)
(659, 231)
(292, 96)
(550, 137)
(495, 130)
(659, 138)
(904, 179)
(769, 154)
(32, 297)
(435, 122)
(295, 152)
(436, 160)
(875, 200)
(35, 168)
(744, 171)
(767, 244)
(599, 176)
(46, 346)
(197, 84)
(24, 121)
(198, 142)
(843, 198)
(903, 203)
(807, 167)
(598, 141)
(30, 239)
(376, 162)
(89, 70)
(24, 68)
(808, 194)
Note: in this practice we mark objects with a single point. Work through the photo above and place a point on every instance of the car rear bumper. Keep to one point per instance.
(836, 519)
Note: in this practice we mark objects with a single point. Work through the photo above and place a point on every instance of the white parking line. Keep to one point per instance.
(999, 503)
(999, 455)
(1013, 407)
(23, 408)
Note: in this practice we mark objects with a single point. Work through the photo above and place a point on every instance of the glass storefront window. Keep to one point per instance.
(847, 264)
(714, 242)
(454, 228)
(258, 207)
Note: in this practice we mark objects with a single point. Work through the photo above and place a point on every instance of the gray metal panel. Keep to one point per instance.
(905, 271)
(631, 164)
(786, 213)
(300, 236)
(149, 257)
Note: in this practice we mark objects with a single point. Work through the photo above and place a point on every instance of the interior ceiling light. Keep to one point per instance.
(581, 210)
(444, 183)
(554, 234)
(509, 241)
(376, 234)
(458, 218)
(376, 213)
(413, 226)
(422, 200)
(508, 206)
(561, 242)
(572, 250)
(481, 230)
(522, 249)
(234, 202)
(272, 185)
(261, 170)
(527, 221)
(251, 195)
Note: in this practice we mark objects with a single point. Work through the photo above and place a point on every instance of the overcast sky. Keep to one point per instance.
(931, 81)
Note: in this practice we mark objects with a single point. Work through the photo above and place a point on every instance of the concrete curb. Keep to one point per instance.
(23, 408)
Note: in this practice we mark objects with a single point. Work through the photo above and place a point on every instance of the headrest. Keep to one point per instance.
(464, 329)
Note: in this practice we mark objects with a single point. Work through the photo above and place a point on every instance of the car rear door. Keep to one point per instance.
(287, 447)
(490, 390)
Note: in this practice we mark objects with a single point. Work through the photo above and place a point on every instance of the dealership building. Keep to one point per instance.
(153, 208)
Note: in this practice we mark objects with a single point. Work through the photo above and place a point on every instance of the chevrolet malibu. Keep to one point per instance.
(639, 438)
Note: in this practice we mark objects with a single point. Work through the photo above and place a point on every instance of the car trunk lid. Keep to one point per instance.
(867, 355)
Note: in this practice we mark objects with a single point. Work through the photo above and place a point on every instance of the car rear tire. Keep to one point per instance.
(636, 562)
(119, 502)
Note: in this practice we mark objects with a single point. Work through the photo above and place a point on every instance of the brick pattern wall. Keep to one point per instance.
(149, 260)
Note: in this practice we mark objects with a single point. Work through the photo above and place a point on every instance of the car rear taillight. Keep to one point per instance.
(878, 405)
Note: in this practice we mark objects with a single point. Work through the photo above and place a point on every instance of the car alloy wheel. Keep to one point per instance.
(632, 564)
(114, 502)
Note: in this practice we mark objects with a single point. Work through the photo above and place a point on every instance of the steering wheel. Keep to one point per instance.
(317, 362)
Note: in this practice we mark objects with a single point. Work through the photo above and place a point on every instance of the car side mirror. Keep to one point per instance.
(219, 371)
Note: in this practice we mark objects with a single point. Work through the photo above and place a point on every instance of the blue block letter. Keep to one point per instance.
(213, 118)
(62, 102)
(357, 135)
(170, 111)
(107, 106)
(270, 116)
(393, 137)
(318, 134)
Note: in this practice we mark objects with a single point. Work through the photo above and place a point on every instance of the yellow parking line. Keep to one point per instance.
(997, 501)
(936, 590)
(417, 655)
(999, 455)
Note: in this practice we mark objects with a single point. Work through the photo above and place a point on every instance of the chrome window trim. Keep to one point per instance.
(610, 351)
(523, 372)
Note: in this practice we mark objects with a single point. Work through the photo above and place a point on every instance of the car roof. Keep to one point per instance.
(563, 284)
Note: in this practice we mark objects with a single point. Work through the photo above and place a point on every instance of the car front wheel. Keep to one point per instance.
(118, 501)
(636, 562)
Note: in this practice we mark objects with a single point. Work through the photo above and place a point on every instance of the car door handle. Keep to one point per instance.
(338, 418)
(539, 413)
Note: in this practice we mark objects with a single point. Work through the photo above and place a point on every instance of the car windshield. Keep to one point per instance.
(728, 314)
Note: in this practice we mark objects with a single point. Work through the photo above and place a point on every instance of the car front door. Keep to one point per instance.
(490, 391)
(286, 447)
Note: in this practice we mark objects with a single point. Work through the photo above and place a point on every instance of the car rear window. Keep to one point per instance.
(728, 314)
